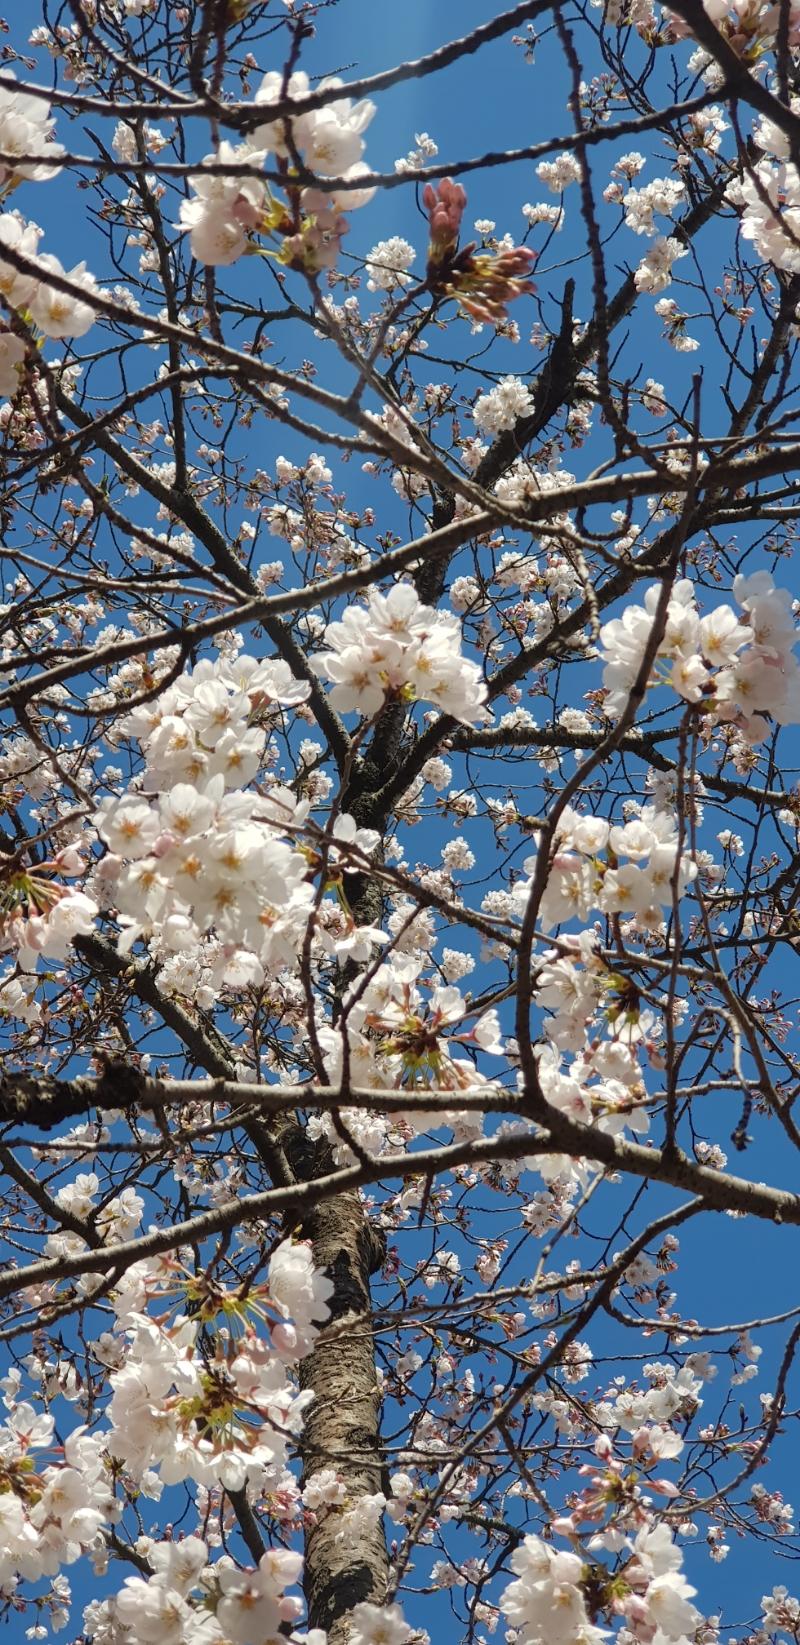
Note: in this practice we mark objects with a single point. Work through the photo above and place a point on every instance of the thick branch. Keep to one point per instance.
(719, 1190)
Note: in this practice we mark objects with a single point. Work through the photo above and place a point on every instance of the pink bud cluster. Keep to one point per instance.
(445, 207)
(483, 285)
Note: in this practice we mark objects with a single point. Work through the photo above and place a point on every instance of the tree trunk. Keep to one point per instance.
(342, 1427)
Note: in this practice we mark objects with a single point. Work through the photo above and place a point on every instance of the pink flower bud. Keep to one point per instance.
(663, 1487)
(445, 208)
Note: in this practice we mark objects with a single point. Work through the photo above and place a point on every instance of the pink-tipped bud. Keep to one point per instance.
(445, 207)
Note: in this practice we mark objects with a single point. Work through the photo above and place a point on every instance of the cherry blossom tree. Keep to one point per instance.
(401, 836)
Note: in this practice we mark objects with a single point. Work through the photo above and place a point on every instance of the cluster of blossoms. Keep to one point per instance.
(187, 1600)
(586, 872)
(741, 669)
(675, 326)
(215, 1406)
(573, 984)
(425, 149)
(41, 916)
(329, 138)
(654, 272)
(189, 1401)
(217, 878)
(750, 28)
(198, 865)
(25, 128)
(219, 1407)
(401, 1033)
(558, 174)
(232, 202)
(117, 1219)
(396, 646)
(768, 197)
(672, 1397)
(227, 206)
(596, 1031)
(388, 263)
(502, 406)
(656, 199)
(541, 212)
(56, 313)
(781, 1612)
(546, 1605)
(523, 480)
(49, 1515)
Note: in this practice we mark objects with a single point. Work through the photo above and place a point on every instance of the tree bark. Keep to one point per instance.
(342, 1427)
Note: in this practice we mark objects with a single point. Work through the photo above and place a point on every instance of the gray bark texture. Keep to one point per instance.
(342, 1427)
